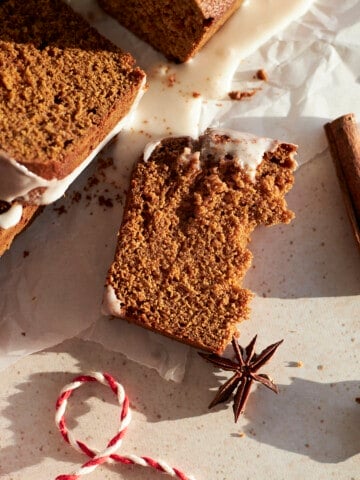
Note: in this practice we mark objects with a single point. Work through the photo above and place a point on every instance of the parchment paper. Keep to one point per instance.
(52, 278)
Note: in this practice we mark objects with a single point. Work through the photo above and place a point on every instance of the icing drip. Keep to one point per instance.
(245, 149)
(11, 217)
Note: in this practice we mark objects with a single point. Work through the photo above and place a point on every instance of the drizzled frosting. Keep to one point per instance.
(11, 217)
(245, 149)
(111, 304)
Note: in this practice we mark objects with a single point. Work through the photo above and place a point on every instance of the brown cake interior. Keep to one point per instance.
(182, 249)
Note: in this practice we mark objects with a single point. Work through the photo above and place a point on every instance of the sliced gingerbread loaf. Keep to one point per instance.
(179, 28)
(63, 90)
(182, 246)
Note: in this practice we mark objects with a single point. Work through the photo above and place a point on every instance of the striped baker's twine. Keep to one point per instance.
(107, 455)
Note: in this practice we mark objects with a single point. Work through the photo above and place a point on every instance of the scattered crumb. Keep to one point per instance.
(104, 163)
(23, 334)
(262, 75)
(105, 202)
(76, 197)
(196, 94)
(320, 367)
(242, 434)
(60, 210)
(92, 181)
(26, 253)
(357, 399)
(307, 445)
(241, 95)
(297, 364)
(171, 79)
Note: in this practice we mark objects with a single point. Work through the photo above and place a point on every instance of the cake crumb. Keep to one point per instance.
(357, 399)
(242, 434)
(261, 74)
(76, 197)
(241, 95)
(26, 253)
(196, 94)
(320, 367)
(60, 210)
(171, 80)
(297, 364)
(105, 202)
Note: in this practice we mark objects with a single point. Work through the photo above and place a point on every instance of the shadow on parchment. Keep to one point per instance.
(317, 420)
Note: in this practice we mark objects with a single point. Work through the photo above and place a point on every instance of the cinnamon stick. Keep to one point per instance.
(344, 141)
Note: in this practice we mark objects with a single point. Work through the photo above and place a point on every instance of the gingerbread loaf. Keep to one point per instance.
(64, 91)
(179, 28)
(182, 247)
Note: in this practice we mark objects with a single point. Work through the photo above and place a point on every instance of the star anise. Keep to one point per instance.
(245, 367)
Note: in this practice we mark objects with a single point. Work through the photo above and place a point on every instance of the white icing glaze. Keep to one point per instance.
(16, 181)
(246, 149)
(175, 110)
(111, 305)
(211, 71)
(12, 217)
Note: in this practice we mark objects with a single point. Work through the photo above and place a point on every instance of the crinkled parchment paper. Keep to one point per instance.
(52, 278)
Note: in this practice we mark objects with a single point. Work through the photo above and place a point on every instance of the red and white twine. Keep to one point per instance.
(107, 455)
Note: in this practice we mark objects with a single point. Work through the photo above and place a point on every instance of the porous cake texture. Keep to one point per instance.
(63, 88)
(179, 28)
(182, 246)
